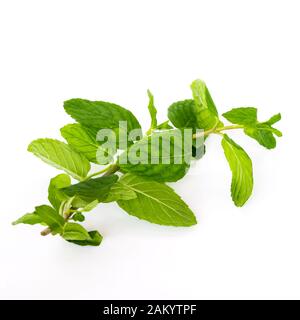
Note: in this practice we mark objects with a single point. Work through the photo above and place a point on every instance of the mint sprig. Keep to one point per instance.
(137, 167)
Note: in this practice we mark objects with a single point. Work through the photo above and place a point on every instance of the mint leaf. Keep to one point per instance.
(60, 156)
(86, 207)
(244, 116)
(93, 189)
(241, 168)
(152, 110)
(199, 113)
(99, 114)
(206, 111)
(94, 240)
(82, 141)
(74, 231)
(273, 119)
(262, 135)
(90, 206)
(51, 218)
(29, 218)
(202, 96)
(55, 195)
(164, 126)
(120, 192)
(78, 216)
(183, 114)
(149, 158)
(155, 202)
(262, 132)
(77, 202)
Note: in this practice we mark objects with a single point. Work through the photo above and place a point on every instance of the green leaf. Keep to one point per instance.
(120, 192)
(202, 96)
(273, 119)
(206, 111)
(262, 135)
(155, 202)
(275, 131)
(150, 157)
(164, 126)
(55, 195)
(90, 206)
(241, 168)
(152, 110)
(100, 115)
(183, 114)
(29, 218)
(262, 132)
(268, 125)
(199, 113)
(74, 231)
(244, 116)
(78, 216)
(94, 240)
(50, 217)
(93, 189)
(82, 141)
(77, 202)
(61, 156)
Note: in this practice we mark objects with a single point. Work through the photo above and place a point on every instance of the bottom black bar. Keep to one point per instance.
(152, 309)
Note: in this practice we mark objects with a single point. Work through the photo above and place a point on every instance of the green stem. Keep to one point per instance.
(111, 170)
(96, 173)
(46, 231)
(149, 132)
(236, 126)
(216, 130)
(67, 216)
(107, 172)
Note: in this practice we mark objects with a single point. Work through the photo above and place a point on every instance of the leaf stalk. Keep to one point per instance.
(216, 130)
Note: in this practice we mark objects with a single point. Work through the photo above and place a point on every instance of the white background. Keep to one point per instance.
(247, 52)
